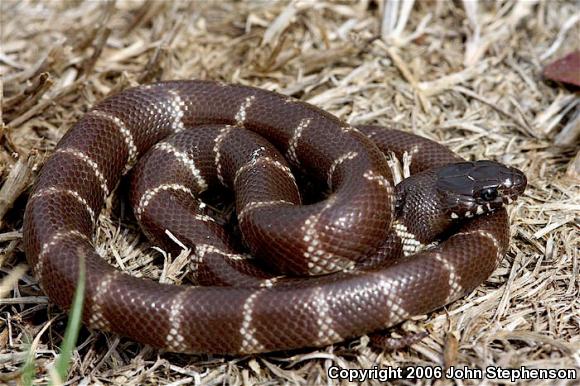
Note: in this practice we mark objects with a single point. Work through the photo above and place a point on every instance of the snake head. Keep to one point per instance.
(474, 188)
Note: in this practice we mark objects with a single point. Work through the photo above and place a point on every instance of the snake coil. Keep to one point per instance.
(230, 143)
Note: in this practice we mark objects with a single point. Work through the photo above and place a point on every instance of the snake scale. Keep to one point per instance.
(307, 275)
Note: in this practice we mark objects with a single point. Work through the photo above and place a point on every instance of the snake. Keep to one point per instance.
(349, 254)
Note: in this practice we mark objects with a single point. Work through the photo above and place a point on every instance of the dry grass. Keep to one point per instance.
(465, 74)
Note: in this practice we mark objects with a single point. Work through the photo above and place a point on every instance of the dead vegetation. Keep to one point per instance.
(464, 73)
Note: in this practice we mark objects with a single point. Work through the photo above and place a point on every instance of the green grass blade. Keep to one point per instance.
(28, 371)
(73, 326)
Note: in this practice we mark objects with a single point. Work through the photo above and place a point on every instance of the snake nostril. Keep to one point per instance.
(520, 180)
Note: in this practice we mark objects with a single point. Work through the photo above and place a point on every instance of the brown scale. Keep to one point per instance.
(285, 314)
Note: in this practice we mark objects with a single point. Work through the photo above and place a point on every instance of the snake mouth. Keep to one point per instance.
(513, 188)
(468, 206)
(481, 207)
(475, 207)
(508, 199)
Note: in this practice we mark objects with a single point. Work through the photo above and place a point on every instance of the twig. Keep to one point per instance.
(566, 26)
(9, 236)
(10, 281)
(26, 300)
(402, 66)
(525, 128)
(30, 95)
(38, 108)
(18, 180)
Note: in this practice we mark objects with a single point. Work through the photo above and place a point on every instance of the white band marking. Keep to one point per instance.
(185, 160)
(92, 164)
(254, 205)
(318, 260)
(241, 114)
(97, 319)
(125, 133)
(269, 283)
(216, 149)
(293, 143)
(202, 249)
(174, 337)
(150, 193)
(326, 334)
(410, 243)
(454, 278)
(254, 161)
(388, 287)
(249, 341)
(76, 195)
(347, 156)
(54, 240)
(382, 180)
(178, 107)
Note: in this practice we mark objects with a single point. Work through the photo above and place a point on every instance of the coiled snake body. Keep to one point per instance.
(364, 216)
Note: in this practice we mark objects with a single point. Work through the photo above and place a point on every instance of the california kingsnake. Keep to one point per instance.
(366, 276)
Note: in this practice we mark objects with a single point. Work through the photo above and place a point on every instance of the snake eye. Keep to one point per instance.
(489, 194)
